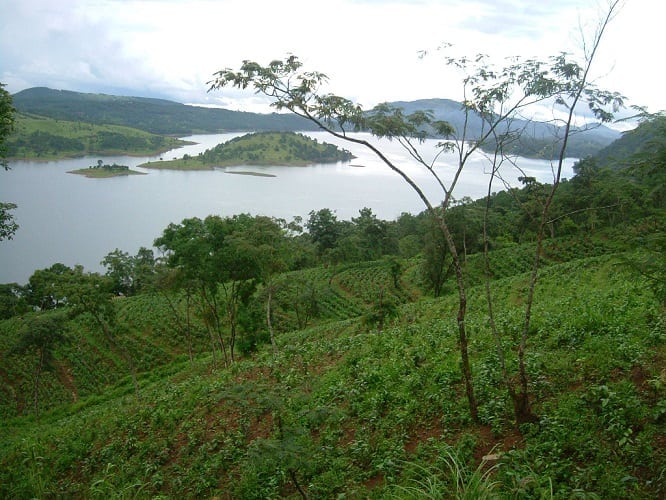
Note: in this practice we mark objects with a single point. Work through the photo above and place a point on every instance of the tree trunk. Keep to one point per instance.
(491, 313)
(187, 329)
(38, 374)
(211, 302)
(188, 323)
(127, 357)
(460, 320)
(294, 479)
(269, 323)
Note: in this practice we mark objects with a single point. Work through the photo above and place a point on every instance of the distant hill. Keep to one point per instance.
(38, 137)
(537, 140)
(642, 139)
(158, 116)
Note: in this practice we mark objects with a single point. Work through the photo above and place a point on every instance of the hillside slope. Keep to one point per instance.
(45, 138)
(537, 139)
(158, 116)
(342, 409)
(642, 140)
(167, 117)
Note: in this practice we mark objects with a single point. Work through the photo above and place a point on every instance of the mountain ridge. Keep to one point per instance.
(158, 116)
(536, 141)
(162, 116)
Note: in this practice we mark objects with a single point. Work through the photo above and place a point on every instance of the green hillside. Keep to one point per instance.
(262, 148)
(343, 408)
(37, 137)
(161, 116)
(643, 139)
(323, 358)
(538, 139)
(157, 116)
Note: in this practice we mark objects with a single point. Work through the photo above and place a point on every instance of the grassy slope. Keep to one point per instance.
(343, 408)
(89, 136)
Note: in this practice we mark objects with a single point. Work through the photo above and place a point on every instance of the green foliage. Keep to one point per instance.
(273, 148)
(324, 229)
(7, 124)
(362, 413)
(339, 409)
(40, 334)
(648, 161)
(12, 300)
(336, 409)
(259, 148)
(46, 138)
(650, 261)
(130, 274)
(452, 480)
(223, 259)
(8, 225)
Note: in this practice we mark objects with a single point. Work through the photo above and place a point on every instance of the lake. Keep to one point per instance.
(76, 220)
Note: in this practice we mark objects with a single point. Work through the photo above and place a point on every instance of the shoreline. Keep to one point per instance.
(95, 173)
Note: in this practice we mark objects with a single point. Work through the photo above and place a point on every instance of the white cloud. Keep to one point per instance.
(369, 49)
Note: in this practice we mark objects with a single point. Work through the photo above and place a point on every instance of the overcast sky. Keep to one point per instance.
(368, 48)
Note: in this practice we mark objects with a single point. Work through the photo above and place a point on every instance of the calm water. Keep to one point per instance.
(75, 220)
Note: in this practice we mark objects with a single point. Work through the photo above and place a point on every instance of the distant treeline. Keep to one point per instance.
(111, 168)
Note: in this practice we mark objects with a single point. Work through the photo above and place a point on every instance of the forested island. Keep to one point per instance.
(104, 170)
(260, 148)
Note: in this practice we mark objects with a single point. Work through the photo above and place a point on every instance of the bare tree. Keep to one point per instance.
(496, 95)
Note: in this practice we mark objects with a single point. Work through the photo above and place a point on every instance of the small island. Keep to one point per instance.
(102, 171)
(259, 149)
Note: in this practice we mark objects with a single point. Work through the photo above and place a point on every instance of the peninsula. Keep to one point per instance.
(43, 139)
